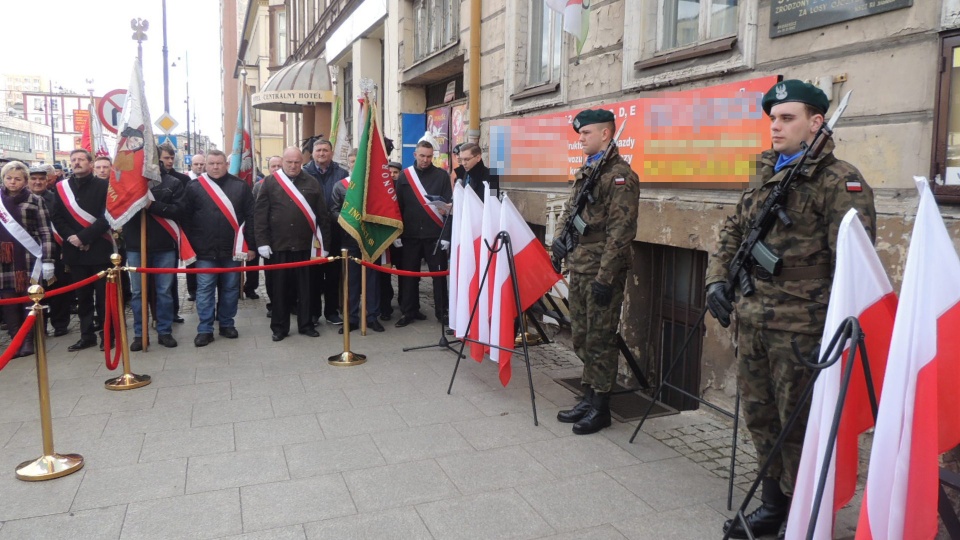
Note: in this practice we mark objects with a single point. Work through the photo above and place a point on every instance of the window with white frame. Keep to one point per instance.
(688, 22)
(546, 44)
(281, 37)
(438, 25)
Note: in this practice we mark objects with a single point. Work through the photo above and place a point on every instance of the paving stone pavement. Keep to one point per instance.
(248, 438)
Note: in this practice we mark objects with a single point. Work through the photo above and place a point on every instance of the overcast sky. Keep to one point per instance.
(70, 41)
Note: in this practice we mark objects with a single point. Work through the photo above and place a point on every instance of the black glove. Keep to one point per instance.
(602, 294)
(718, 302)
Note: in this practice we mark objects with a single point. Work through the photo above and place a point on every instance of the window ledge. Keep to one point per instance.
(705, 49)
(434, 54)
(538, 90)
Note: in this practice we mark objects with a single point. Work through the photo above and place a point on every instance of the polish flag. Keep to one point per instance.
(468, 275)
(490, 227)
(918, 417)
(860, 289)
(535, 276)
(456, 216)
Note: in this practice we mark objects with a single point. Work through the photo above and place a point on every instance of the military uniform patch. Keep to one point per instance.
(854, 185)
(619, 181)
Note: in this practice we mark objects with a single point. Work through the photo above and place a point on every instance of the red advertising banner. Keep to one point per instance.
(701, 138)
(81, 118)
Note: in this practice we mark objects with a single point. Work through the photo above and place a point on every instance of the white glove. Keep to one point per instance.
(47, 271)
(397, 243)
(265, 251)
(444, 245)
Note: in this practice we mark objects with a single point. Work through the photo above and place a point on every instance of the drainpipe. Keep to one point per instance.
(473, 134)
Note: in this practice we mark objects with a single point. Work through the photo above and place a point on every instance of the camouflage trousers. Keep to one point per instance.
(771, 382)
(594, 330)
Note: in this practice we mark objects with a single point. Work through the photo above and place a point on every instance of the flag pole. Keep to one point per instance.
(140, 27)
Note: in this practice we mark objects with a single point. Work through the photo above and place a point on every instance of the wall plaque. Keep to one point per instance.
(792, 16)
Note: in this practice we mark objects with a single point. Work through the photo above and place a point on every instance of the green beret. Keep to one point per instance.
(592, 116)
(798, 91)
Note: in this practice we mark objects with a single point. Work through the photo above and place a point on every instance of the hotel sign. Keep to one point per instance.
(792, 16)
(293, 97)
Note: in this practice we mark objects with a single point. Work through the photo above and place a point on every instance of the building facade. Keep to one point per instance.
(899, 57)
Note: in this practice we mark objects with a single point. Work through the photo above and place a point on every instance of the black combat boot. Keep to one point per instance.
(766, 519)
(579, 410)
(597, 418)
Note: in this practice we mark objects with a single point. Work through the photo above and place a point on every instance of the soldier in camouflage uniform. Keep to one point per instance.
(598, 268)
(791, 306)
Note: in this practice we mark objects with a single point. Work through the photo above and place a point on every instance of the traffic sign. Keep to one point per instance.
(110, 109)
(188, 160)
(166, 123)
(167, 138)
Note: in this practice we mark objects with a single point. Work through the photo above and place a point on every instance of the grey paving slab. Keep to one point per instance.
(277, 431)
(573, 456)
(400, 391)
(235, 410)
(235, 469)
(193, 393)
(6, 432)
(278, 385)
(148, 363)
(332, 456)
(466, 384)
(438, 411)
(68, 430)
(398, 485)
(228, 373)
(26, 405)
(603, 532)
(96, 524)
(292, 532)
(200, 515)
(145, 421)
(501, 514)
(583, 501)
(696, 521)
(166, 445)
(494, 469)
(32, 499)
(497, 402)
(171, 377)
(395, 524)
(187, 357)
(110, 401)
(269, 506)
(497, 431)
(105, 452)
(346, 423)
(331, 377)
(421, 442)
(644, 447)
(293, 365)
(331, 399)
(680, 483)
(130, 483)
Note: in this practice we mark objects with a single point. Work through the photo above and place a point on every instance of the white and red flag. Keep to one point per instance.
(241, 158)
(489, 227)
(860, 289)
(468, 273)
(918, 418)
(535, 276)
(456, 215)
(135, 165)
(576, 18)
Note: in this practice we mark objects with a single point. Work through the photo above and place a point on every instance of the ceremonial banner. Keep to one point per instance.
(576, 18)
(457, 216)
(98, 140)
(340, 136)
(468, 274)
(135, 166)
(241, 158)
(371, 213)
(860, 289)
(918, 417)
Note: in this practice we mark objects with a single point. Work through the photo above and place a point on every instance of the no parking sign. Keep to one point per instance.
(110, 109)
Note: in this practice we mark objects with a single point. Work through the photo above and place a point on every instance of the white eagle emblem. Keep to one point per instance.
(781, 91)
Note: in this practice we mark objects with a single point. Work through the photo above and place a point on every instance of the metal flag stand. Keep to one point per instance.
(501, 243)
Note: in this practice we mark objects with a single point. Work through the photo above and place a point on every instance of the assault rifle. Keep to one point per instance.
(752, 250)
(575, 227)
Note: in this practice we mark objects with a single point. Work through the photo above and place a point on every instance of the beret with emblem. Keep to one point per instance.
(796, 91)
(592, 116)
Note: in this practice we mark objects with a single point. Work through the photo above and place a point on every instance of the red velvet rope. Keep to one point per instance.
(56, 292)
(397, 272)
(111, 317)
(18, 339)
(279, 266)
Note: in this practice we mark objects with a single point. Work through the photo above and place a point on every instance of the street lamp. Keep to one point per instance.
(187, 101)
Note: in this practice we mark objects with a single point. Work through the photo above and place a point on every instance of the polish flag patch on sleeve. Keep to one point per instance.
(620, 181)
(854, 185)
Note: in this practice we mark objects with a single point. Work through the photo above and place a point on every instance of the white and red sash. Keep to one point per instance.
(316, 246)
(21, 235)
(56, 236)
(421, 194)
(187, 254)
(80, 215)
(226, 207)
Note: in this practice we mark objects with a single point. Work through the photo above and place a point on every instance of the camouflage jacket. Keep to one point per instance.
(604, 251)
(818, 200)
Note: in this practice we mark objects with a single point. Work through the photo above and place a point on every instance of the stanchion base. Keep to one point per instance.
(127, 381)
(532, 339)
(49, 467)
(346, 358)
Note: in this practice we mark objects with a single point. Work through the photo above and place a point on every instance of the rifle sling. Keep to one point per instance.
(794, 273)
(593, 237)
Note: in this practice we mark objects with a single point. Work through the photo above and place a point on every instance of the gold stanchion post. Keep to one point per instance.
(51, 464)
(128, 380)
(363, 300)
(347, 357)
(532, 338)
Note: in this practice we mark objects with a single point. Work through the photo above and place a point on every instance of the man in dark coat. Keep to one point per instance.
(475, 172)
(326, 293)
(285, 234)
(168, 155)
(87, 244)
(426, 235)
(218, 243)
